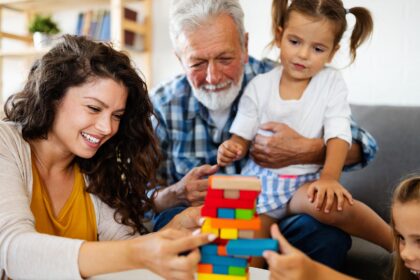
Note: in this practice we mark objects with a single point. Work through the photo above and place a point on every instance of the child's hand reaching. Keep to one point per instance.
(229, 151)
(324, 192)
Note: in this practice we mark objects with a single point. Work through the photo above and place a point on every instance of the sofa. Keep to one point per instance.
(398, 155)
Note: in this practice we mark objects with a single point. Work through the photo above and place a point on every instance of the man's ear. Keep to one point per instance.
(278, 35)
(246, 56)
(334, 51)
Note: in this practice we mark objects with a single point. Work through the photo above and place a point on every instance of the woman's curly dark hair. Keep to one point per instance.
(124, 168)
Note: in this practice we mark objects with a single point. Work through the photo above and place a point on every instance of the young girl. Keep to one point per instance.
(405, 222)
(312, 99)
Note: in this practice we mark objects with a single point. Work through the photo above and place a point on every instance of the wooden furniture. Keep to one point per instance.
(117, 27)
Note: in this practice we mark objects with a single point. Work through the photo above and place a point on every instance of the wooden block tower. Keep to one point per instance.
(229, 212)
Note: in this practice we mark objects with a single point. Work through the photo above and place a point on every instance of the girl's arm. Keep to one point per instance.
(335, 157)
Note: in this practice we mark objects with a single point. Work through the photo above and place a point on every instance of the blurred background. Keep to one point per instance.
(384, 72)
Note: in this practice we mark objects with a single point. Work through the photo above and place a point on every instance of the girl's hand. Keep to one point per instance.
(324, 192)
(291, 264)
(169, 253)
(228, 152)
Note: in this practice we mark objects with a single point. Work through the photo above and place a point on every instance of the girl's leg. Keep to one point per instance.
(264, 232)
(357, 219)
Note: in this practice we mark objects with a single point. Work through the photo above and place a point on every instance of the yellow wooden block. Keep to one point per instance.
(229, 233)
(207, 276)
(206, 228)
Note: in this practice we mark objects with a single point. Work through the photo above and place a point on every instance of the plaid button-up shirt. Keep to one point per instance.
(189, 137)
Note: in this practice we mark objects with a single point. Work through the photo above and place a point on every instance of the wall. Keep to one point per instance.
(385, 69)
(384, 72)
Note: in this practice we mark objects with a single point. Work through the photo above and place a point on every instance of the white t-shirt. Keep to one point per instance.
(322, 110)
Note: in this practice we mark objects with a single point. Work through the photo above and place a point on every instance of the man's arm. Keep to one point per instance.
(286, 147)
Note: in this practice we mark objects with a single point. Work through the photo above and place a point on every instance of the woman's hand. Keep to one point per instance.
(169, 253)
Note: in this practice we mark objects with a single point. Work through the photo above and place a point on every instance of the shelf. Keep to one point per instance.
(28, 52)
(48, 5)
(119, 25)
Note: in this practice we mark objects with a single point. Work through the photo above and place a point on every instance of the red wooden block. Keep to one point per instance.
(214, 193)
(229, 203)
(221, 250)
(208, 211)
(205, 268)
(249, 195)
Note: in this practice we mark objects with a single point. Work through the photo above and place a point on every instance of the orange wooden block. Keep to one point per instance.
(253, 224)
(221, 251)
(205, 268)
(250, 183)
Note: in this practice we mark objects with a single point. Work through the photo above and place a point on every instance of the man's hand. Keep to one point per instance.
(188, 220)
(190, 190)
(285, 147)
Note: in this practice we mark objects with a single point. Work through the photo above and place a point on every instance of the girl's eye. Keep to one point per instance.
(94, 108)
(319, 50)
(400, 237)
(293, 41)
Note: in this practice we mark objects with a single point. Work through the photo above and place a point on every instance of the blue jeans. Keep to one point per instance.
(323, 243)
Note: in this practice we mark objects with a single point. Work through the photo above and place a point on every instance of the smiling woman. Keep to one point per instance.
(77, 157)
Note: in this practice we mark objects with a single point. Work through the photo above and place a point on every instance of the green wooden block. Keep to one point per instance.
(244, 214)
(236, 270)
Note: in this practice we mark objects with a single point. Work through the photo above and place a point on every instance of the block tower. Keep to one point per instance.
(229, 212)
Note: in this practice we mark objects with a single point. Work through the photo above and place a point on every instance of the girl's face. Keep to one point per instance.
(306, 45)
(406, 218)
(88, 116)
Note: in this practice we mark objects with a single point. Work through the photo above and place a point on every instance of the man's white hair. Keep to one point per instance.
(187, 15)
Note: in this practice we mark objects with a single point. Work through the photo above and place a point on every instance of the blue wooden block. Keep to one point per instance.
(226, 213)
(251, 247)
(210, 249)
(221, 269)
(221, 260)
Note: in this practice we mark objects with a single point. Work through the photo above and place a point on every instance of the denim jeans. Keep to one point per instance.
(323, 243)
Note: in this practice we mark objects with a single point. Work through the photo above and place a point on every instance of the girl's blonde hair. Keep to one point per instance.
(332, 10)
(407, 191)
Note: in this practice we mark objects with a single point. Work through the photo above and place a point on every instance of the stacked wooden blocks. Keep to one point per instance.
(229, 211)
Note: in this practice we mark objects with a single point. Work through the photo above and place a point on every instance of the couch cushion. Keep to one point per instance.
(396, 132)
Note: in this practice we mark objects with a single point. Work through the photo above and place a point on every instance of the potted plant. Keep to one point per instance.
(43, 28)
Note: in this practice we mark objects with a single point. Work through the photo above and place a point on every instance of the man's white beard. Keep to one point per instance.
(218, 100)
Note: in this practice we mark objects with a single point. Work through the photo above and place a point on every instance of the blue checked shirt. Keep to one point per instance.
(189, 138)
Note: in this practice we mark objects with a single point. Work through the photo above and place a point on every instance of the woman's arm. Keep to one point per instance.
(158, 252)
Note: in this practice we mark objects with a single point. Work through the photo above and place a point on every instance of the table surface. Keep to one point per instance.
(255, 274)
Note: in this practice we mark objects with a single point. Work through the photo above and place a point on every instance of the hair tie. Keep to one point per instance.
(346, 11)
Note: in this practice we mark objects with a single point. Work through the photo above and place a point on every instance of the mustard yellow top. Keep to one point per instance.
(77, 217)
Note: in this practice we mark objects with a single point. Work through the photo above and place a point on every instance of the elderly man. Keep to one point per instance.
(195, 111)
